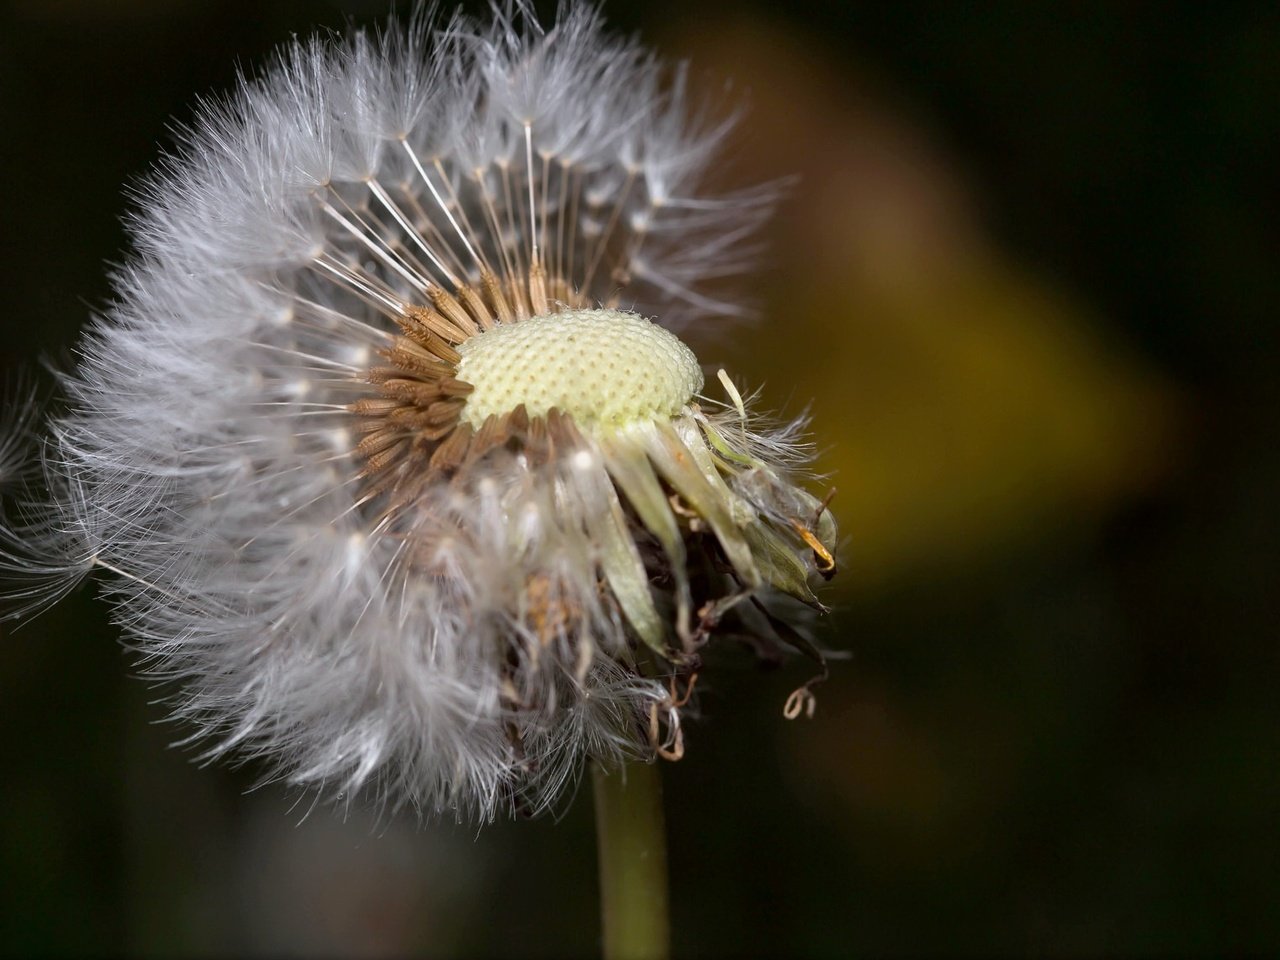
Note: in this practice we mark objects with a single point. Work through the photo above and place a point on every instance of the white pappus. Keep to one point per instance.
(385, 451)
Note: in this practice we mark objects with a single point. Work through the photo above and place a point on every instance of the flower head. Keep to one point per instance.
(387, 449)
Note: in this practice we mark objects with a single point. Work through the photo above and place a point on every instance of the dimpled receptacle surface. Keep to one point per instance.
(598, 366)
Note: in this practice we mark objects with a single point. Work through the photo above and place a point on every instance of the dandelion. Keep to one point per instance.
(387, 452)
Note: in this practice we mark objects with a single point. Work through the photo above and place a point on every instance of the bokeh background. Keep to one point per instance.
(1028, 278)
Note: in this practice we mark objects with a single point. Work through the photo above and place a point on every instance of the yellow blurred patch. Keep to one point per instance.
(964, 405)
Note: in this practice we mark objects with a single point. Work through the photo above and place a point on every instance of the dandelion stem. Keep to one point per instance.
(632, 845)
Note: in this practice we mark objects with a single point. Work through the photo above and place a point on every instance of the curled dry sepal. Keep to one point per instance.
(378, 453)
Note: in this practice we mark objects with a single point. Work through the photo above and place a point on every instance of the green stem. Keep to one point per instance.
(633, 862)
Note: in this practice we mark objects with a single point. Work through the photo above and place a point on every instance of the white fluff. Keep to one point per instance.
(205, 465)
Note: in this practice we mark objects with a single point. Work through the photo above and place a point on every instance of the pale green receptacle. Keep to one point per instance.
(598, 366)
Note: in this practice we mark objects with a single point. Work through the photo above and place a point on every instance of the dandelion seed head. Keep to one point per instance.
(387, 451)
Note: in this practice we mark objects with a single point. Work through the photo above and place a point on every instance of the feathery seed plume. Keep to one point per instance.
(387, 451)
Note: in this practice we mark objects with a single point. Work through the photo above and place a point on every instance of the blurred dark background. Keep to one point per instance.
(1029, 278)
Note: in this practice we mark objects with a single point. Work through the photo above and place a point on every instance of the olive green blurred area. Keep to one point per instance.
(1026, 283)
